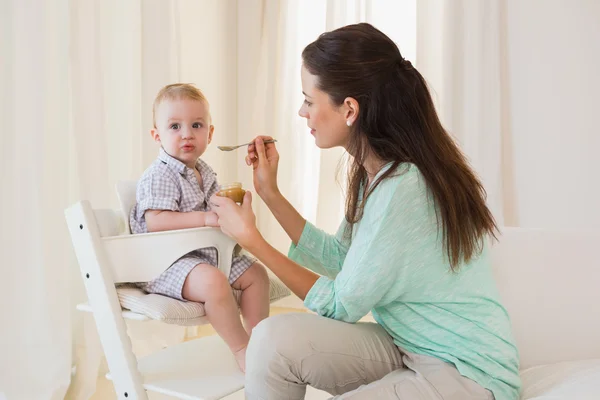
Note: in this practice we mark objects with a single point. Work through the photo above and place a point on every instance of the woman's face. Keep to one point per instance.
(327, 122)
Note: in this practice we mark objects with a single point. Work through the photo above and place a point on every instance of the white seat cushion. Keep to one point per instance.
(172, 311)
(578, 380)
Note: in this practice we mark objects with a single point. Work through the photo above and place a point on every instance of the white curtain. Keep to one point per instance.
(35, 343)
(461, 51)
(78, 79)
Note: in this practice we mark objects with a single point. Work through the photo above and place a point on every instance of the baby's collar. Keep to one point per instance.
(172, 161)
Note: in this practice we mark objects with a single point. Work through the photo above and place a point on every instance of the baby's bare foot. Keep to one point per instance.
(240, 357)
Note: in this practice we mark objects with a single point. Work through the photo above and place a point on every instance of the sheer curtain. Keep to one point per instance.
(35, 344)
(461, 51)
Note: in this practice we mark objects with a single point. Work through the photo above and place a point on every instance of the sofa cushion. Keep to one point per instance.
(566, 380)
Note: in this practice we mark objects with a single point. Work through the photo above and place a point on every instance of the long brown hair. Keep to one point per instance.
(397, 122)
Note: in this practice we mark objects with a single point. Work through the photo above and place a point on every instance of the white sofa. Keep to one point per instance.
(549, 282)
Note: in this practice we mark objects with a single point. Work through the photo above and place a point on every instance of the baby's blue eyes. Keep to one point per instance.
(195, 125)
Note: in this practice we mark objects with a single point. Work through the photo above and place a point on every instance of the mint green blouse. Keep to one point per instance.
(395, 266)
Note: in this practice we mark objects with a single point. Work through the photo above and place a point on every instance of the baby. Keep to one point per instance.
(174, 193)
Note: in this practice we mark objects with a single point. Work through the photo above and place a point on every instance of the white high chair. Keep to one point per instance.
(108, 254)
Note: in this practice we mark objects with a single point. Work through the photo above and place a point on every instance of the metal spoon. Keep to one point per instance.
(230, 148)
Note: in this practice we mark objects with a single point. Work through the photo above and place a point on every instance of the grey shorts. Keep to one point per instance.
(170, 283)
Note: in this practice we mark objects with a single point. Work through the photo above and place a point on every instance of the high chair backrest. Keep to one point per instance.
(126, 193)
(98, 274)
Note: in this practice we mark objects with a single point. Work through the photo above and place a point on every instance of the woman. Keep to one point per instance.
(412, 248)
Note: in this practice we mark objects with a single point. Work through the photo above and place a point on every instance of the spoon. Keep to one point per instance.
(230, 148)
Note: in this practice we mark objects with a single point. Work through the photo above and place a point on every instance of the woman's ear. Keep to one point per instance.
(351, 109)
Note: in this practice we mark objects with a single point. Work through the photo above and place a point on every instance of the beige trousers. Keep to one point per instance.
(350, 361)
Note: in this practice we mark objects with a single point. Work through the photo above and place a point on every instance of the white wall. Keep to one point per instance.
(553, 62)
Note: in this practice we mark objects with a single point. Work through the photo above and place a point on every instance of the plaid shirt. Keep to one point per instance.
(168, 184)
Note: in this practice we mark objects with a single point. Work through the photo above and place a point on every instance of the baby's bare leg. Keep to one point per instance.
(254, 284)
(206, 284)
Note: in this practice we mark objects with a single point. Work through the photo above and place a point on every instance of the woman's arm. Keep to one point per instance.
(373, 267)
(239, 222)
(319, 251)
(311, 247)
(264, 159)
(297, 278)
(290, 220)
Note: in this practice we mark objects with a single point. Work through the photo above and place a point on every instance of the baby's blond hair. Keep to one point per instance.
(177, 91)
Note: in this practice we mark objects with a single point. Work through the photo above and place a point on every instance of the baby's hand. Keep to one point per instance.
(211, 219)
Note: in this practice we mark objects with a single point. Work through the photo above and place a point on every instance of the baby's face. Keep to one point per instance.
(183, 129)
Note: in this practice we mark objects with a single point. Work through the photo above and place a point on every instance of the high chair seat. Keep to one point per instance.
(141, 306)
(173, 311)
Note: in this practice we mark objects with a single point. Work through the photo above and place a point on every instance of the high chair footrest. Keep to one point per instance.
(201, 369)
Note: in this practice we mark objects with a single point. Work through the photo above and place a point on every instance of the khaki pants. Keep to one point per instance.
(350, 361)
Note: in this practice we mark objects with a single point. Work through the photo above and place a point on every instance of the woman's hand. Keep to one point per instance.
(211, 219)
(264, 159)
(237, 222)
